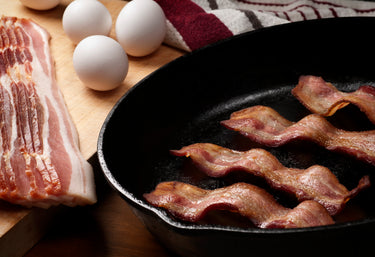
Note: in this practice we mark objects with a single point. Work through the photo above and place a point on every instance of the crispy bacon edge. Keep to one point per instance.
(315, 183)
(323, 98)
(266, 126)
(191, 203)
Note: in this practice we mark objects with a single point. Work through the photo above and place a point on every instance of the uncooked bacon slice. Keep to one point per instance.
(264, 125)
(315, 183)
(40, 161)
(190, 203)
(323, 98)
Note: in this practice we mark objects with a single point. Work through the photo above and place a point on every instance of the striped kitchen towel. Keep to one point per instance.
(192, 24)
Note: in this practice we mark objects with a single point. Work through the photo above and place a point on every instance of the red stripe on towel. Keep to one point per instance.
(285, 5)
(307, 6)
(197, 27)
(262, 3)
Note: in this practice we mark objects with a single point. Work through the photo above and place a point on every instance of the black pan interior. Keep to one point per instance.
(183, 102)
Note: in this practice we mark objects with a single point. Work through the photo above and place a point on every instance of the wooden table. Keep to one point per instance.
(107, 228)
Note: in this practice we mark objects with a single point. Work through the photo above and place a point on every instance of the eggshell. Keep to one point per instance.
(40, 4)
(83, 18)
(140, 27)
(100, 62)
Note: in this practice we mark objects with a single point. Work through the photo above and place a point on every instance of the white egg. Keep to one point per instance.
(100, 62)
(83, 18)
(141, 27)
(40, 4)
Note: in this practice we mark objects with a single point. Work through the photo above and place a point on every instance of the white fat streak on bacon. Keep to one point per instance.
(68, 130)
(45, 159)
(10, 134)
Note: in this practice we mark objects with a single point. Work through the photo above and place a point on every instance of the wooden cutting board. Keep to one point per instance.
(21, 228)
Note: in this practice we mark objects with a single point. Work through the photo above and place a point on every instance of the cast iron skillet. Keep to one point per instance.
(184, 101)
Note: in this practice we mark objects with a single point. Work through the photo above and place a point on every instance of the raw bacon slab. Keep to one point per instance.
(191, 203)
(323, 98)
(315, 183)
(264, 125)
(40, 164)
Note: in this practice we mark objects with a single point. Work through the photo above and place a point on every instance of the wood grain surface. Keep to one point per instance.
(107, 229)
(21, 228)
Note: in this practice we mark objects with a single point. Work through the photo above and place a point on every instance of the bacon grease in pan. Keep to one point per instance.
(264, 125)
(315, 183)
(190, 203)
(323, 98)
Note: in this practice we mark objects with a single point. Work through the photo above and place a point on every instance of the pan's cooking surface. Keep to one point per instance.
(205, 127)
(184, 102)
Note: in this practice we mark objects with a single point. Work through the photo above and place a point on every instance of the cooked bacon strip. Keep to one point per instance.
(315, 183)
(266, 126)
(191, 203)
(40, 161)
(323, 98)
